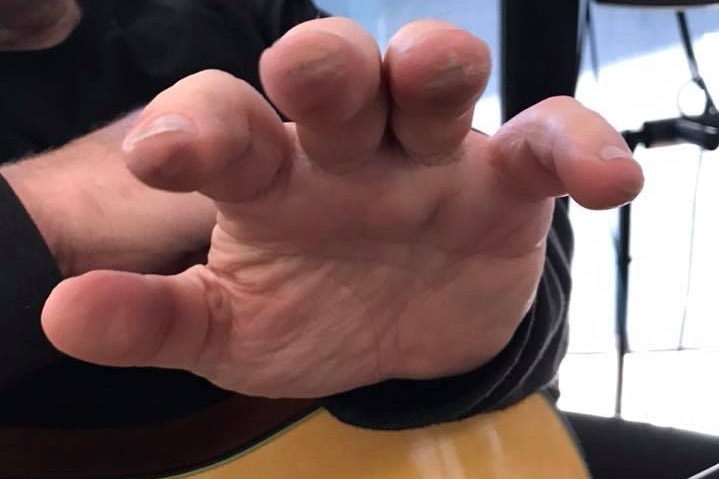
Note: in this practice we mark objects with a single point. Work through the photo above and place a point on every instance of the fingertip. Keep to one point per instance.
(210, 132)
(595, 164)
(57, 306)
(321, 70)
(184, 135)
(630, 175)
(560, 147)
(106, 317)
(436, 68)
(436, 72)
(303, 76)
(606, 186)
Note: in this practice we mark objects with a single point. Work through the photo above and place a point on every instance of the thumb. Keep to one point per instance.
(559, 147)
(126, 319)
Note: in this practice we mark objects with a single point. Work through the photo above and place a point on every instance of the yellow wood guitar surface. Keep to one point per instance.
(527, 441)
(250, 438)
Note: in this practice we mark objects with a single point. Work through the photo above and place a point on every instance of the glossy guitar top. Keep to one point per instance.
(526, 441)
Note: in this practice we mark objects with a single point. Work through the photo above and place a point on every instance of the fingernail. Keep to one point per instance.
(613, 152)
(166, 124)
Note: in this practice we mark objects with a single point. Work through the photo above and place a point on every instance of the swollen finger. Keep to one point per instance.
(559, 147)
(436, 73)
(326, 76)
(210, 132)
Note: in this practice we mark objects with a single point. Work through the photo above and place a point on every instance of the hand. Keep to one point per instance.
(375, 238)
(94, 214)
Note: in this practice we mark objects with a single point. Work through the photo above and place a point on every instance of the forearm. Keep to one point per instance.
(94, 214)
(57, 189)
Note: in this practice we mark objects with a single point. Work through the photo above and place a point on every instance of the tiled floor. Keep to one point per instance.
(642, 72)
(664, 388)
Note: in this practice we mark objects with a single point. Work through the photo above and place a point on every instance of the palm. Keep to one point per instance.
(363, 277)
(376, 237)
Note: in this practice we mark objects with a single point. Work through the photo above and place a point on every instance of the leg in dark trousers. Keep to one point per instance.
(618, 449)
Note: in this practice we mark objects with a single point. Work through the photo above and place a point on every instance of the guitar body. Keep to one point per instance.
(526, 441)
(529, 440)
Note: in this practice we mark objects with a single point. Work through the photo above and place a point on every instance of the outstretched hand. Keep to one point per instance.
(374, 237)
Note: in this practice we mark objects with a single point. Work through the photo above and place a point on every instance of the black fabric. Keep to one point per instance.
(279, 16)
(123, 53)
(126, 52)
(27, 275)
(618, 449)
(120, 57)
(69, 394)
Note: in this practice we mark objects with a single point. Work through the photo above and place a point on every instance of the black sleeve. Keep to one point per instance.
(170, 40)
(27, 275)
(528, 363)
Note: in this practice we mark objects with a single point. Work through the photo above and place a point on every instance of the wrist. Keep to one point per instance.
(46, 207)
(94, 214)
(65, 192)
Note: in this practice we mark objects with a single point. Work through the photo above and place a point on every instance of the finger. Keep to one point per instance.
(559, 147)
(126, 319)
(436, 73)
(209, 132)
(326, 76)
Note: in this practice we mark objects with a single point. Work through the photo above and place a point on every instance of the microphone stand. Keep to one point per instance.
(701, 130)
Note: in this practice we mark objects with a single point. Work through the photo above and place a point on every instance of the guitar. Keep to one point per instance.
(279, 439)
